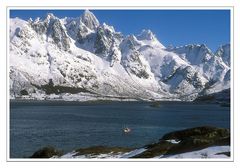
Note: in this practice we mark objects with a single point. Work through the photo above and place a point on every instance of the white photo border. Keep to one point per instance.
(231, 8)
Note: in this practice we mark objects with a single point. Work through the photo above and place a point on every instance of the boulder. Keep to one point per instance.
(46, 152)
(187, 140)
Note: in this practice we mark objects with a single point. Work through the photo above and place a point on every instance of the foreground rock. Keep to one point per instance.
(187, 140)
(47, 152)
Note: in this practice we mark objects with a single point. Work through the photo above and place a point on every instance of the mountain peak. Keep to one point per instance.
(224, 46)
(89, 19)
(110, 28)
(224, 52)
(82, 55)
(50, 16)
(202, 47)
(146, 35)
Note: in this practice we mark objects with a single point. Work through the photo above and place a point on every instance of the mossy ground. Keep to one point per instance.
(96, 150)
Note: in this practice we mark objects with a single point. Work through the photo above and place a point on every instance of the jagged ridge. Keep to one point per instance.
(80, 55)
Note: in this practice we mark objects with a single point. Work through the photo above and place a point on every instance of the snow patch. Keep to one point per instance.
(210, 152)
(173, 141)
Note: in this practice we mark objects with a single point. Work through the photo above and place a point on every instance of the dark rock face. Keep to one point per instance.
(59, 35)
(52, 27)
(24, 92)
(103, 41)
(190, 140)
(198, 132)
(134, 64)
(47, 152)
(223, 96)
(50, 88)
(39, 27)
(187, 74)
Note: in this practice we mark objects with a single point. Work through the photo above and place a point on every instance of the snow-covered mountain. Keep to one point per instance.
(82, 59)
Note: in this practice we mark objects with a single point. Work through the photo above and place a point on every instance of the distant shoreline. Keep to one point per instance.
(16, 101)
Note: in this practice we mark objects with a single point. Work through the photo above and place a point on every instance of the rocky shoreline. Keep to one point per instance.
(171, 144)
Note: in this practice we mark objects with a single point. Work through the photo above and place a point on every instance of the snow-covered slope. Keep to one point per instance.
(211, 66)
(207, 153)
(67, 57)
(224, 52)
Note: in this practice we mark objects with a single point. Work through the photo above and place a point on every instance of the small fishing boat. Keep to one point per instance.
(126, 130)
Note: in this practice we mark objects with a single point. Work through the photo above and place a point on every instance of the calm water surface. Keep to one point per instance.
(68, 125)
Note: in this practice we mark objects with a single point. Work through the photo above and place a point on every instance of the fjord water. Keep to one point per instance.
(72, 125)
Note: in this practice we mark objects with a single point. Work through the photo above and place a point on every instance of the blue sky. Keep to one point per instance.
(176, 27)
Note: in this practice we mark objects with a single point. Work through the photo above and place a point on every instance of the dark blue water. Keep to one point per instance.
(69, 126)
